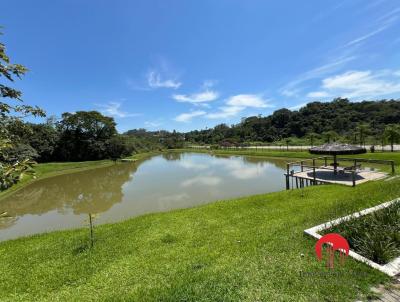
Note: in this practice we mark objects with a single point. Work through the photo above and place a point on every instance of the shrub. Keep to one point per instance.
(375, 236)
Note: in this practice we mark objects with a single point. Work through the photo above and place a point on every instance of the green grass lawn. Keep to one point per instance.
(248, 249)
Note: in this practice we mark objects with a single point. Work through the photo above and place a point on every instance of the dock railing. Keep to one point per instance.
(304, 167)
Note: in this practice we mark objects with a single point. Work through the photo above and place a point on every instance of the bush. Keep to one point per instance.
(375, 236)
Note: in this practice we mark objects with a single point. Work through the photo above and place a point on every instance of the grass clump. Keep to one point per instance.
(375, 236)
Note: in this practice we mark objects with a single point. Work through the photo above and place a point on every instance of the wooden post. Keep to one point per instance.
(313, 163)
(392, 163)
(297, 184)
(354, 178)
(287, 177)
(301, 164)
(355, 163)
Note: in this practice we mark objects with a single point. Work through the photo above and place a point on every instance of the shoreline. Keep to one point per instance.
(53, 169)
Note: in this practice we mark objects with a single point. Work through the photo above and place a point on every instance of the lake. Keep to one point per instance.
(160, 183)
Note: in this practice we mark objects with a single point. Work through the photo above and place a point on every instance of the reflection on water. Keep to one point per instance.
(164, 182)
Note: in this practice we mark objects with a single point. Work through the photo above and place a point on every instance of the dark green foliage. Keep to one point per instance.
(375, 236)
(332, 120)
(119, 146)
(17, 153)
(144, 140)
(83, 136)
(14, 158)
(79, 136)
(392, 134)
(44, 139)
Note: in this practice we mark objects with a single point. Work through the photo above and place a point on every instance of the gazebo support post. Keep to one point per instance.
(287, 177)
(313, 163)
(334, 164)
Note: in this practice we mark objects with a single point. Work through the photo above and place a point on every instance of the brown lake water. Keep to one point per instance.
(161, 183)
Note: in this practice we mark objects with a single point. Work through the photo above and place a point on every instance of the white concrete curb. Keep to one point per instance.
(392, 268)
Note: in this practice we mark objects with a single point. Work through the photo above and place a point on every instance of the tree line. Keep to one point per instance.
(340, 120)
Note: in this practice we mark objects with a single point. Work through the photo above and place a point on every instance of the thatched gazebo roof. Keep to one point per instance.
(337, 149)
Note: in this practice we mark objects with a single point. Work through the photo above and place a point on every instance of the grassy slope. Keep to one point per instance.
(238, 250)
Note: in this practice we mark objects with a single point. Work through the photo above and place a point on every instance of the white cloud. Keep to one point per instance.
(298, 106)
(114, 109)
(318, 94)
(201, 97)
(202, 180)
(188, 164)
(367, 36)
(209, 84)
(237, 103)
(225, 112)
(187, 117)
(294, 87)
(238, 169)
(361, 84)
(153, 124)
(154, 80)
(247, 100)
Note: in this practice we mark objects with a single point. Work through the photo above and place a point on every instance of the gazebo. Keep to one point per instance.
(335, 149)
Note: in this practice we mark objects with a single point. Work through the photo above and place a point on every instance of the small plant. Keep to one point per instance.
(375, 236)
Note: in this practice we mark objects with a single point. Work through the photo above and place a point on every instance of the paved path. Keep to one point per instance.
(390, 293)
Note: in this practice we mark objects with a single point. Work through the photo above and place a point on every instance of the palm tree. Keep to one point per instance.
(287, 141)
(330, 136)
(392, 134)
(312, 136)
(362, 130)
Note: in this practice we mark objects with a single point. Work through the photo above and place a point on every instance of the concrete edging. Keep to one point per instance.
(392, 268)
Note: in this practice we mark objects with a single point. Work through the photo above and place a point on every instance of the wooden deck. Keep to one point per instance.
(389, 293)
(327, 176)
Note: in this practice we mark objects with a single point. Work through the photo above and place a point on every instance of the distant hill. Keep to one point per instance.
(339, 116)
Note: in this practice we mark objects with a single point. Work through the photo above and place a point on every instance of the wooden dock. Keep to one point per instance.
(300, 174)
(323, 176)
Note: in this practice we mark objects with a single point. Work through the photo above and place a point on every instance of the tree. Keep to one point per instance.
(312, 136)
(287, 141)
(392, 134)
(330, 136)
(362, 130)
(11, 109)
(83, 136)
(119, 146)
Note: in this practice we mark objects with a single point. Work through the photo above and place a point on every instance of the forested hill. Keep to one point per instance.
(339, 117)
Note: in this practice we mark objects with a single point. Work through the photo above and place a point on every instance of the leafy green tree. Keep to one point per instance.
(330, 136)
(44, 139)
(83, 136)
(119, 146)
(312, 136)
(287, 141)
(362, 130)
(392, 134)
(11, 109)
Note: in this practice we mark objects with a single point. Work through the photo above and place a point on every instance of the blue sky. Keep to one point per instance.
(190, 64)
